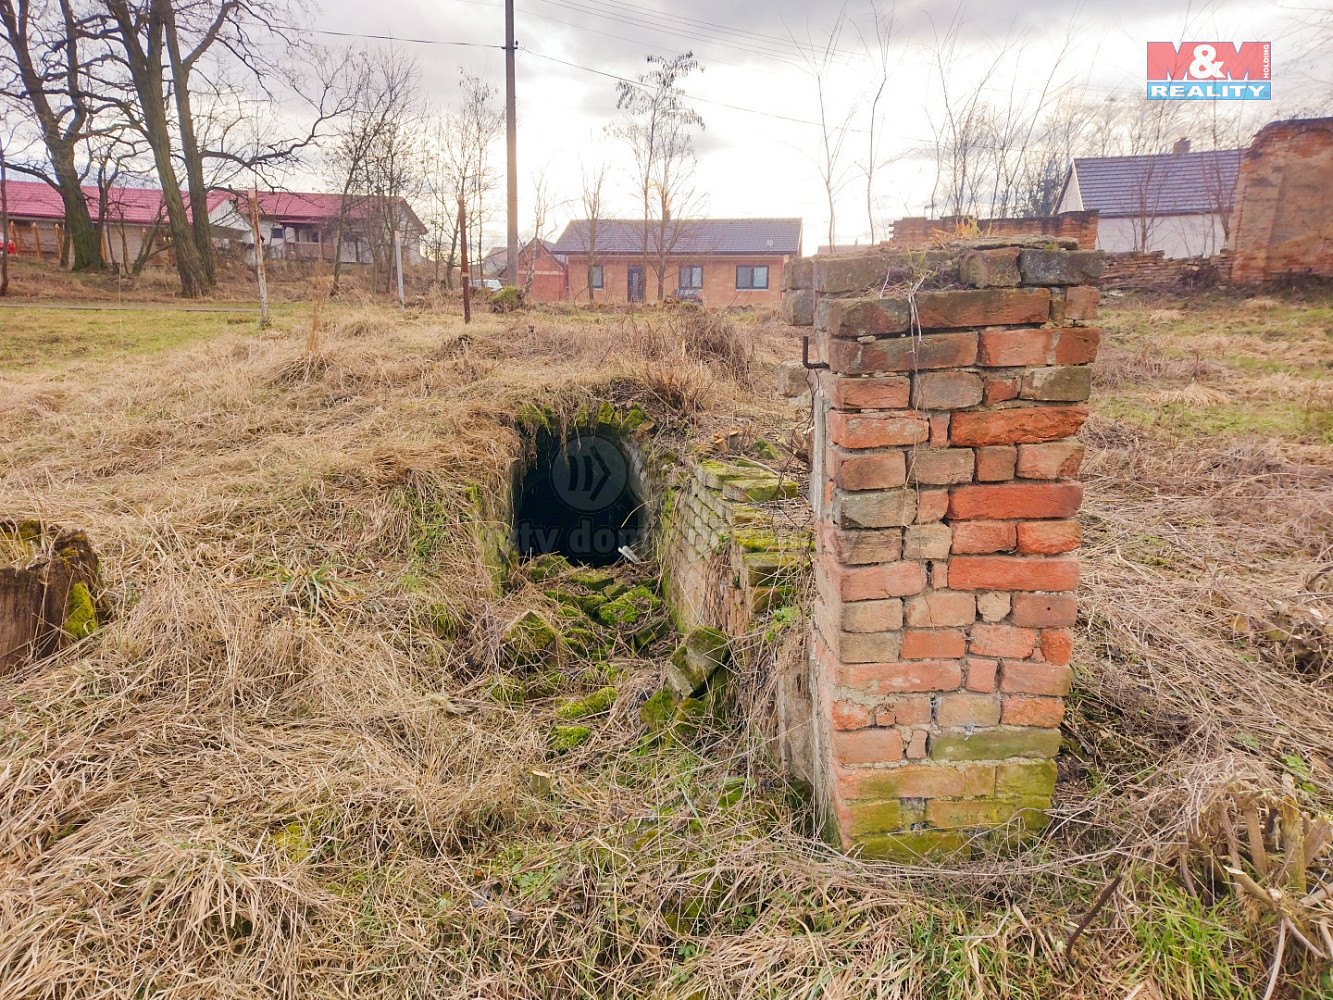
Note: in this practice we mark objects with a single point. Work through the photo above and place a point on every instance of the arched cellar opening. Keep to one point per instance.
(581, 495)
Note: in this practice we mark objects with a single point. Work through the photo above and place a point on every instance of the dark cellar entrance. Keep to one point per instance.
(579, 497)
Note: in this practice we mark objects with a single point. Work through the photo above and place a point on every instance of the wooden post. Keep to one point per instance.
(59, 231)
(462, 263)
(259, 259)
(4, 226)
(37, 239)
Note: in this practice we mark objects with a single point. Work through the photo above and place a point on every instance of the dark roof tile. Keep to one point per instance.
(687, 236)
(1164, 184)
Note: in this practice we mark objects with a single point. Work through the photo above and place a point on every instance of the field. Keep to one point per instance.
(295, 761)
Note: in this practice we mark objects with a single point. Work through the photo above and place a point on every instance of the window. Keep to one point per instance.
(597, 276)
(752, 277)
(691, 277)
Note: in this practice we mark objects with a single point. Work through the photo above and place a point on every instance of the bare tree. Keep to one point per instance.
(542, 208)
(594, 207)
(879, 49)
(658, 129)
(393, 177)
(834, 126)
(45, 65)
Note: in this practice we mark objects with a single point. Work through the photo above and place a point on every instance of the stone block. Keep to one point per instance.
(798, 273)
(946, 390)
(990, 268)
(792, 380)
(874, 509)
(842, 319)
(1061, 267)
(798, 307)
(1065, 383)
(994, 605)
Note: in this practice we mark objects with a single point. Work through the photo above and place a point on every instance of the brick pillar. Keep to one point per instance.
(947, 531)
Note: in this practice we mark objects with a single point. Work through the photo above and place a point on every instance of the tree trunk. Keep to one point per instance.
(40, 607)
(200, 227)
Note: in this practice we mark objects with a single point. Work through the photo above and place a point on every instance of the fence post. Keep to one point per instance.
(259, 259)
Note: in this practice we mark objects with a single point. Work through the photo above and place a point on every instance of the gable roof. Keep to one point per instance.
(134, 206)
(310, 208)
(686, 236)
(1162, 184)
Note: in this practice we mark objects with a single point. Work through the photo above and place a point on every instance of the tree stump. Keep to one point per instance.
(48, 583)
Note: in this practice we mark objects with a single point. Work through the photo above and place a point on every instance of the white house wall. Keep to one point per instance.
(1174, 235)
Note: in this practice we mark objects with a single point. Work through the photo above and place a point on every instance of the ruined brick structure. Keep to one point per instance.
(1283, 223)
(916, 231)
(946, 516)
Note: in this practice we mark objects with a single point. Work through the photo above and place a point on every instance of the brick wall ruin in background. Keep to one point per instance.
(1283, 222)
(946, 531)
(918, 232)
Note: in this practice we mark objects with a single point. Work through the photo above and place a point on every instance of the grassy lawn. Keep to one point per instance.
(297, 760)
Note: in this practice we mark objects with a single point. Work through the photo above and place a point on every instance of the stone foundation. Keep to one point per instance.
(946, 531)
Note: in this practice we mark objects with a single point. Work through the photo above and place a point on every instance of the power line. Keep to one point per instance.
(394, 38)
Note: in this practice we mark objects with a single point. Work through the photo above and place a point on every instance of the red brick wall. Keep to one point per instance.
(1283, 221)
(920, 232)
(548, 275)
(719, 288)
(947, 538)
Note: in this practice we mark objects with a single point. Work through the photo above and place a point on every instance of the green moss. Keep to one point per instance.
(507, 690)
(567, 738)
(658, 711)
(442, 622)
(80, 613)
(765, 450)
(597, 703)
(528, 638)
(629, 608)
(547, 567)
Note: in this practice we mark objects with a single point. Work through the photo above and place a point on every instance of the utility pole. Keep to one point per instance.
(398, 261)
(462, 263)
(511, 143)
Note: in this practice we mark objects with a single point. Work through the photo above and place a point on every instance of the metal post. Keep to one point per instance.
(511, 143)
(462, 264)
(259, 259)
(398, 260)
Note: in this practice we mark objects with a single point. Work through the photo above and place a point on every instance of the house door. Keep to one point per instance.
(634, 284)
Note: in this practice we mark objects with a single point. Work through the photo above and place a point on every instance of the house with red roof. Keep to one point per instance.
(723, 262)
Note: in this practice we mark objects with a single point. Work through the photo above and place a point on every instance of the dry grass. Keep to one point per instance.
(246, 787)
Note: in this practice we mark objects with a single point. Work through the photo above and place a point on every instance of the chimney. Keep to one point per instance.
(1182, 146)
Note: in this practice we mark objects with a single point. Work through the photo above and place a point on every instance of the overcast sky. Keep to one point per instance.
(758, 98)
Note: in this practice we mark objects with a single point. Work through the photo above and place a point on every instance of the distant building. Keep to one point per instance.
(1283, 224)
(726, 262)
(297, 225)
(1178, 203)
(540, 272)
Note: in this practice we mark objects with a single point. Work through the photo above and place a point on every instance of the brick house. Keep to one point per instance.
(1178, 203)
(726, 261)
(298, 225)
(1284, 203)
(540, 271)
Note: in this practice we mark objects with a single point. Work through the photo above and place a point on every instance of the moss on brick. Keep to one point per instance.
(567, 738)
(597, 703)
(913, 846)
(80, 613)
(996, 744)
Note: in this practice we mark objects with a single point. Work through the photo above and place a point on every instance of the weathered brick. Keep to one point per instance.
(983, 537)
(1035, 677)
(868, 647)
(939, 574)
(916, 745)
(1049, 537)
(915, 781)
(857, 819)
(999, 388)
(1076, 345)
(956, 309)
(940, 466)
(1002, 640)
(1015, 500)
(996, 463)
(876, 430)
(939, 430)
(931, 644)
(798, 307)
(1077, 303)
(931, 505)
(848, 715)
(1022, 425)
(1014, 348)
(994, 605)
(968, 710)
(1064, 383)
(874, 508)
(876, 581)
(1061, 267)
(890, 392)
(856, 548)
(881, 679)
(867, 746)
(912, 711)
(1045, 610)
(899, 354)
(980, 673)
(861, 470)
(1013, 573)
(1056, 646)
(911, 847)
(946, 390)
(995, 744)
(1051, 460)
(1023, 710)
(941, 608)
(926, 541)
(990, 268)
(871, 616)
(956, 814)
(850, 273)
(1036, 777)
(798, 272)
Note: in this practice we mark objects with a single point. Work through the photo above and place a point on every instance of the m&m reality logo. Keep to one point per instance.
(1210, 71)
